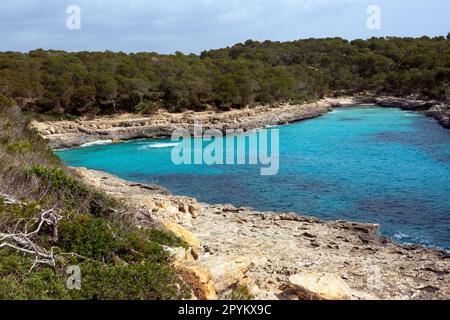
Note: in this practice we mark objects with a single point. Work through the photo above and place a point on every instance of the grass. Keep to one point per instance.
(116, 259)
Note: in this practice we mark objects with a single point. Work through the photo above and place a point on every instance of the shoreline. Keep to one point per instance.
(278, 255)
(275, 255)
(126, 127)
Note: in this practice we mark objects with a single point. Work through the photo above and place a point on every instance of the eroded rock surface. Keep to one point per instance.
(285, 256)
(66, 134)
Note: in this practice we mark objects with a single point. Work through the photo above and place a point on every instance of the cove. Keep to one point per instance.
(366, 164)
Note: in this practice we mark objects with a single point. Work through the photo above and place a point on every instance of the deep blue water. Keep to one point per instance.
(367, 164)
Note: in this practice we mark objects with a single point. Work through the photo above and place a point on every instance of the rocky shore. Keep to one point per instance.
(435, 109)
(276, 256)
(282, 256)
(68, 134)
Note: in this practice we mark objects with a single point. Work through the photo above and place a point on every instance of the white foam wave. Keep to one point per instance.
(96, 143)
(159, 145)
(400, 236)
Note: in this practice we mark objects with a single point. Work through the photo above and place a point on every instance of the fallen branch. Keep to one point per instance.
(23, 241)
(7, 199)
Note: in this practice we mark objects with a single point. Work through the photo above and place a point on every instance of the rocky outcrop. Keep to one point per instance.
(441, 113)
(314, 286)
(436, 109)
(185, 235)
(404, 103)
(199, 279)
(67, 134)
(309, 285)
(284, 256)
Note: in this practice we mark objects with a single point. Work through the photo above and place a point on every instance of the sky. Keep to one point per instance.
(191, 26)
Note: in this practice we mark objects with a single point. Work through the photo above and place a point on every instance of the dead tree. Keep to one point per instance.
(24, 241)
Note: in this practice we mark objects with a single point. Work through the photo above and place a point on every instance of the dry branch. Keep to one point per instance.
(23, 241)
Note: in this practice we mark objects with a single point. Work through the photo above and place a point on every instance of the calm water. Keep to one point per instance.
(365, 164)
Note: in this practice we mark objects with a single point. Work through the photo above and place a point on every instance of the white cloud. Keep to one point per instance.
(193, 25)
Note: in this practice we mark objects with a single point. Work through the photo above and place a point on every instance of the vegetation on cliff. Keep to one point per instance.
(58, 82)
(50, 220)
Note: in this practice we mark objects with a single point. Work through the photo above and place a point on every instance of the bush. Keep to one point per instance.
(147, 281)
(88, 236)
(20, 147)
(6, 102)
(117, 260)
(104, 239)
(72, 192)
(165, 238)
(17, 283)
(241, 292)
(198, 107)
(147, 108)
(11, 214)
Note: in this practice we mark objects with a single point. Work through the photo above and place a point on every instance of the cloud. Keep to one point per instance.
(188, 25)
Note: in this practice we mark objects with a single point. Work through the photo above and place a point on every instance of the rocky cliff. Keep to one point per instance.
(67, 134)
(282, 256)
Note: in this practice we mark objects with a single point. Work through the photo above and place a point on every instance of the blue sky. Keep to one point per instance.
(167, 26)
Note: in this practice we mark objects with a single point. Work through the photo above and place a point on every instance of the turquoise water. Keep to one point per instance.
(365, 164)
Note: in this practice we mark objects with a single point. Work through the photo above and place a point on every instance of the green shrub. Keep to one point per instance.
(11, 214)
(74, 193)
(6, 102)
(118, 260)
(103, 240)
(98, 281)
(198, 107)
(165, 238)
(135, 248)
(20, 147)
(88, 236)
(17, 283)
(146, 281)
(241, 292)
(146, 107)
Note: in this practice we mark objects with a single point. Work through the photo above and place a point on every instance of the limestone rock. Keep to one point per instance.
(281, 245)
(315, 286)
(181, 255)
(193, 210)
(200, 280)
(227, 271)
(187, 236)
(162, 124)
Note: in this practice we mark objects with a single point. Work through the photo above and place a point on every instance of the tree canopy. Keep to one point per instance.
(247, 73)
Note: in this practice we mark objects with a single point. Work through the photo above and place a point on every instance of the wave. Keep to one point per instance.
(96, 143)
(159, 145)
(411, 114)
(401, 236)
